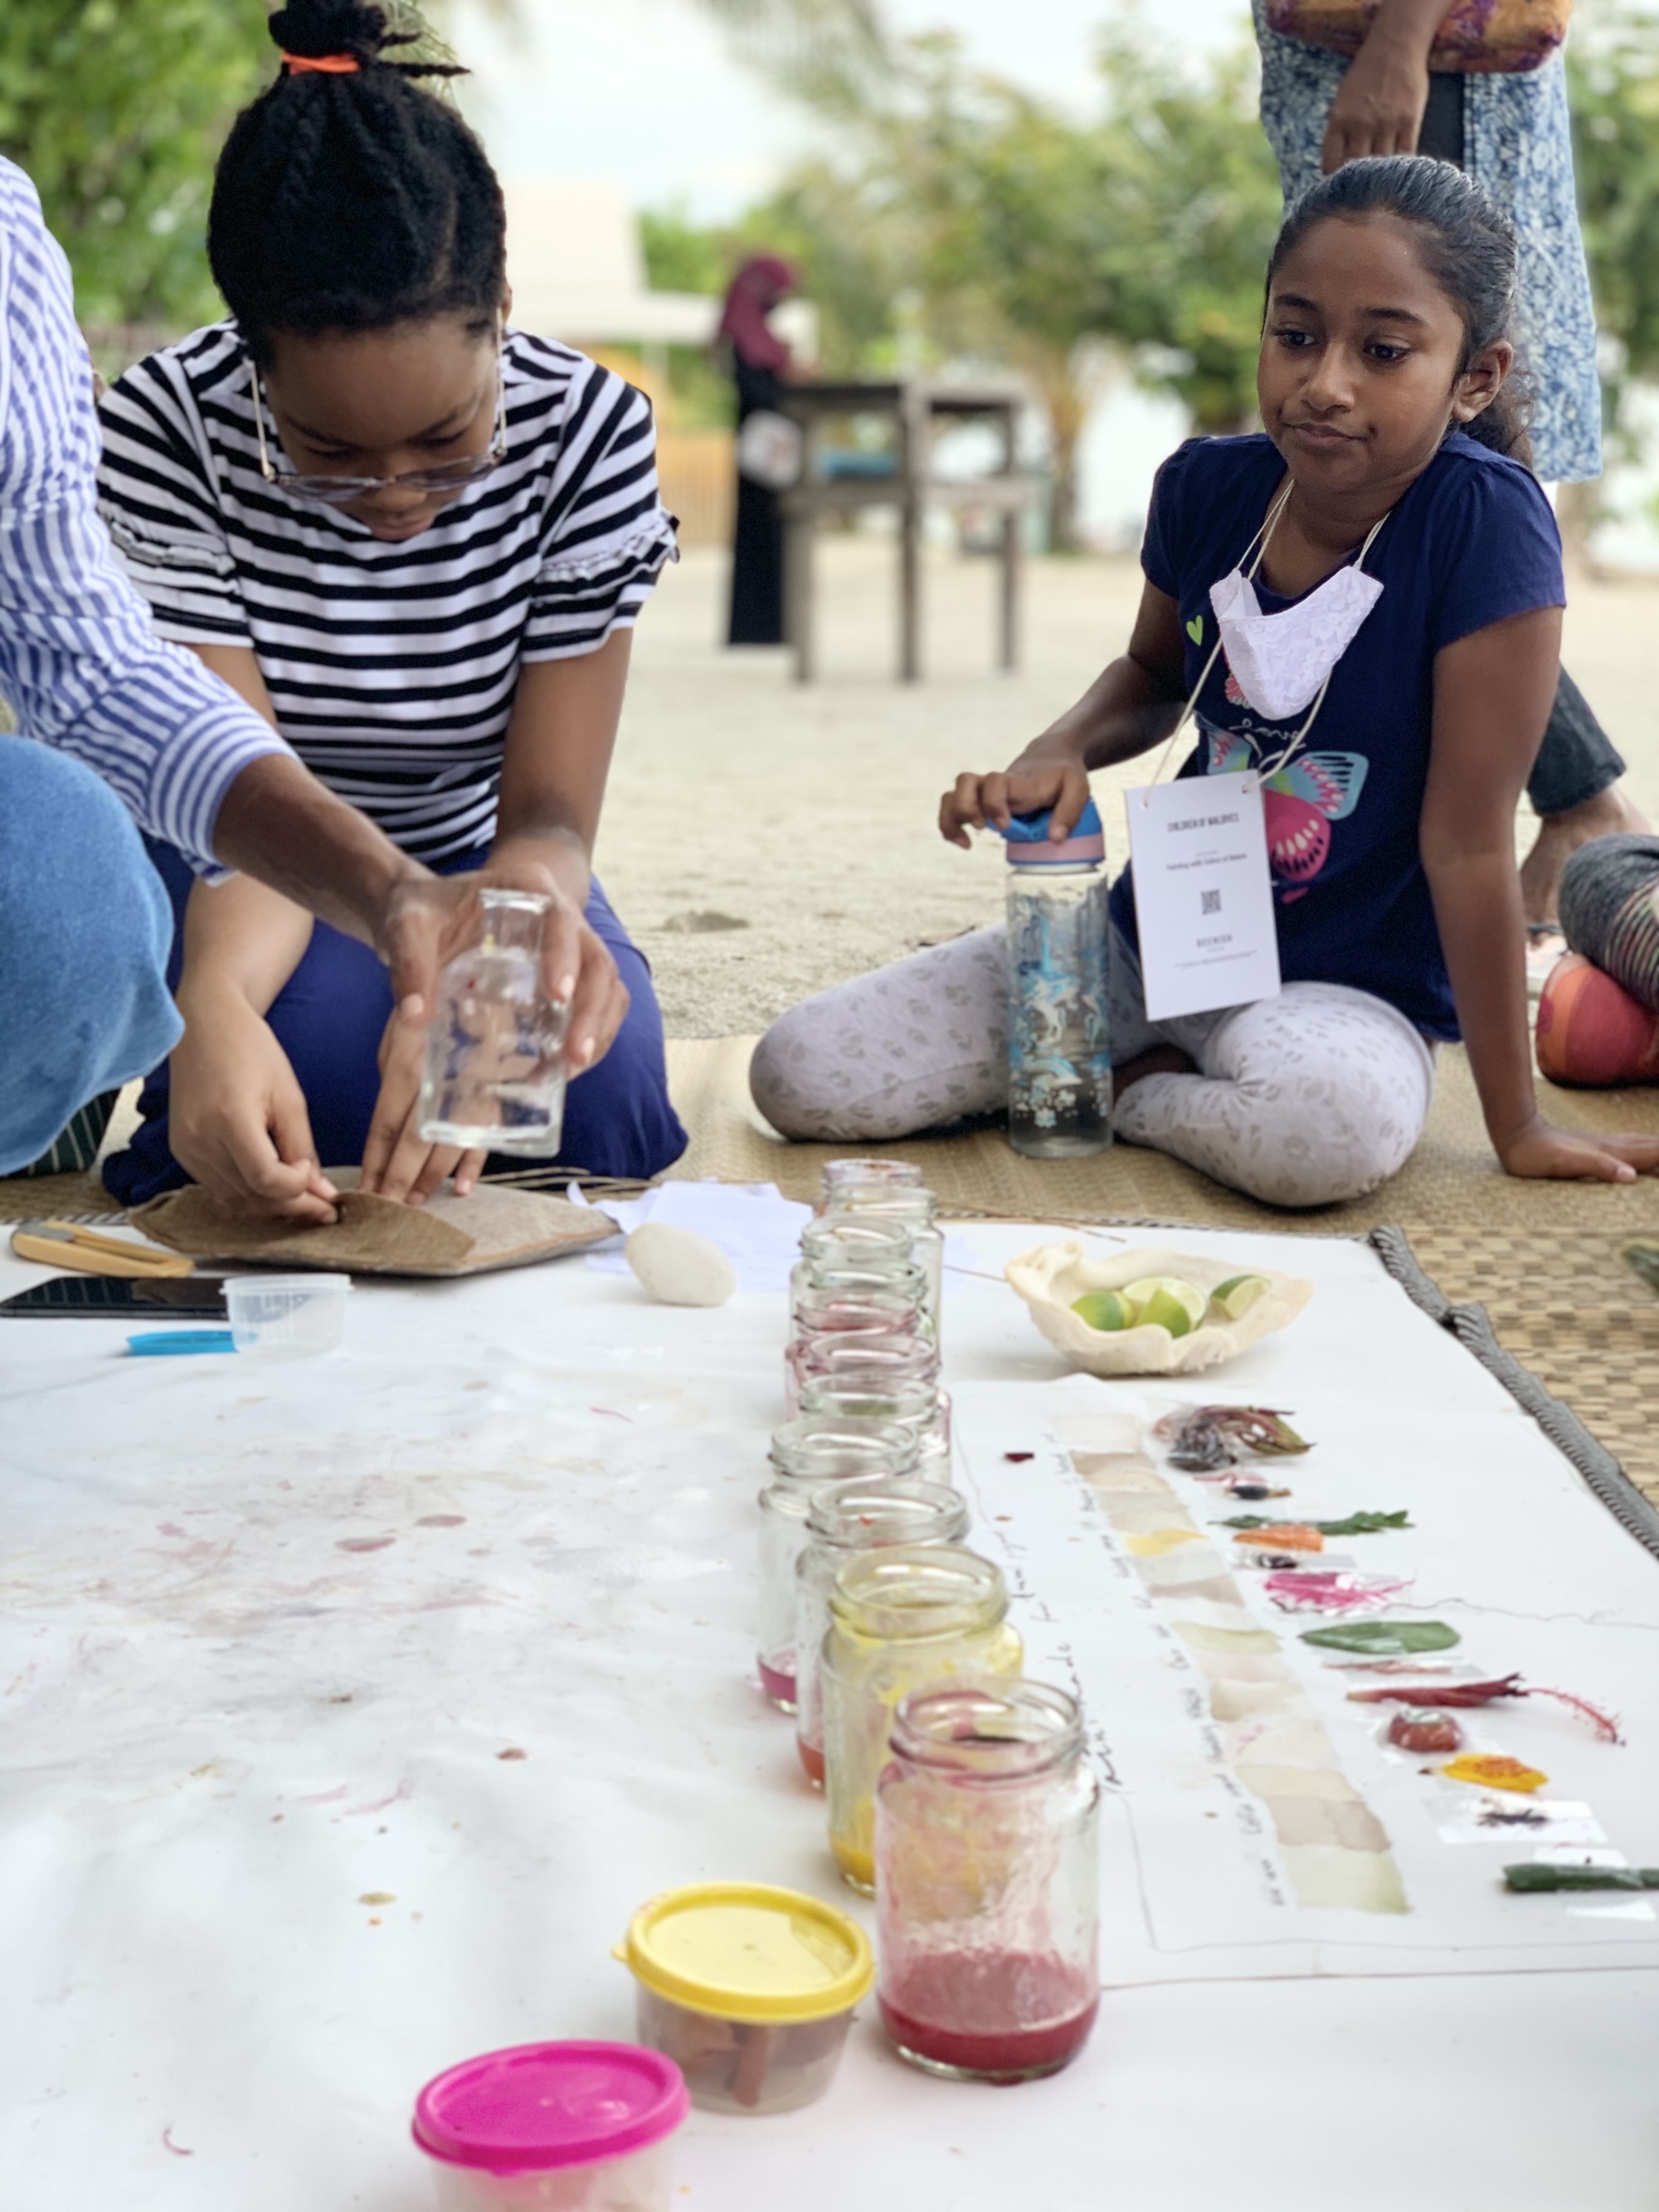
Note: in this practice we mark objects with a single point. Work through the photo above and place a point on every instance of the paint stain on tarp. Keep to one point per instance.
(378, 1897)
(441, 1521)
(512, 1753)
(364, 1543)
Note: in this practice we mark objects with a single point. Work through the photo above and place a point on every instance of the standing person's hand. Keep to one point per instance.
(1379, 104)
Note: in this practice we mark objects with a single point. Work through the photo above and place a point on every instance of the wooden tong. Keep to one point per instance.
(67, 1244)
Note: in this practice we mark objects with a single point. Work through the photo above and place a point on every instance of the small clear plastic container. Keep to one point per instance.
(554, 2127)
(749, 1990)
(287, 1315)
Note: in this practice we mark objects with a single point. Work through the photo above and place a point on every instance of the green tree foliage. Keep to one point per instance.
(116, 110)
(1614, 76)
(1015, 233)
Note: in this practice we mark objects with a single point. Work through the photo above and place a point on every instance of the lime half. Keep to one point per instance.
(1108, 1310)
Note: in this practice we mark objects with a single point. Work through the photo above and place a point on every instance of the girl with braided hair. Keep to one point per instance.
(417, 541)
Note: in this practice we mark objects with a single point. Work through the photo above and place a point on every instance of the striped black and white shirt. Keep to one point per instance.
(79, 661)
(390, 667)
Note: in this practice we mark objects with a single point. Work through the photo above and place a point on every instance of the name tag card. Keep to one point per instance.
(1204, 894)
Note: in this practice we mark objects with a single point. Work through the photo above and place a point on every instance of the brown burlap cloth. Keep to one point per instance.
(488, 1230)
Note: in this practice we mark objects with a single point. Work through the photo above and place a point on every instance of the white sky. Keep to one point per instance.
(645, 94)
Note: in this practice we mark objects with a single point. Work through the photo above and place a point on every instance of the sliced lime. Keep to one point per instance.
(1108, 1310)
(1238, 1294)
(1186, 1298)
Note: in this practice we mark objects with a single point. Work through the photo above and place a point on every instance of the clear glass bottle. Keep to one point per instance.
(840, 1310)
(854, 1389)
(829, 1246)
(845, 1517)
(987, 1882)
(1059, 1056)
(494, 1070)
(916, 1208)
(806, 1454)
(899, 1620)
(898, 1175)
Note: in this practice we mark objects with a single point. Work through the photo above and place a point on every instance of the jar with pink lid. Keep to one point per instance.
(554, 2127)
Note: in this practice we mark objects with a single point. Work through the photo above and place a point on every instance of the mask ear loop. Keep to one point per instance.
(1281, 760)
(1258, 545)
(1263, 769)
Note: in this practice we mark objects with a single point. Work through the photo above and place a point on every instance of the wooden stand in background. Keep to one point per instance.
(916, 409)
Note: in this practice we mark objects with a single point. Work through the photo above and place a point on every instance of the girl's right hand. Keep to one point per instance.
(980, 802)
(237, 1118)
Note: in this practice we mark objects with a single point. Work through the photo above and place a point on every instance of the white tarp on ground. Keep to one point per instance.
(269, 1630)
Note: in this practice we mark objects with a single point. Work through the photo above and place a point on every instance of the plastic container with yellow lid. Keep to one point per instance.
(750, 1990)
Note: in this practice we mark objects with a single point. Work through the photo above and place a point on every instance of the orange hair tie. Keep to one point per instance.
(322, 64)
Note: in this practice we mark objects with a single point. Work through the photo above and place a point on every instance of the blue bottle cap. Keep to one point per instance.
(168, 1344)
(1028, 845)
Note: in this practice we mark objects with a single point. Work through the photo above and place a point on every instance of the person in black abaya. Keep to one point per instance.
(759, 361)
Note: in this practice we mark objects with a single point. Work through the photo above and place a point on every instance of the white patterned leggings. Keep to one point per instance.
(1313, 1096)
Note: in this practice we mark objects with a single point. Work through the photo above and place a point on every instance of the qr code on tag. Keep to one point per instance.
(1210, 902)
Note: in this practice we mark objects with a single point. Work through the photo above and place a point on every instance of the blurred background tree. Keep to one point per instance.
(961, 218)
(117, 111)
(1612, 68)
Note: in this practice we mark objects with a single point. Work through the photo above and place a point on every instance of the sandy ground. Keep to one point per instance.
(806, 814)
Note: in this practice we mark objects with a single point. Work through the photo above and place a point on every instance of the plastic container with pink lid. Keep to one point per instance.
(554, 2127)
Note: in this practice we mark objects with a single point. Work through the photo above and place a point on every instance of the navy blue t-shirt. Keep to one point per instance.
(1472, 543)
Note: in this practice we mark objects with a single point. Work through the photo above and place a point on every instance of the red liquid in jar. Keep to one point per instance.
(778, 1686)
(1004, 2018)
(812, 1758)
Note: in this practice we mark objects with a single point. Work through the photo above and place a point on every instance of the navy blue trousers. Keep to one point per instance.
(328, 1016)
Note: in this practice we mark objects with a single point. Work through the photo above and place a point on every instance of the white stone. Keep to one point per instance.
(678, 1267)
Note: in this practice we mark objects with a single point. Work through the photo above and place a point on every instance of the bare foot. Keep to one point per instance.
(1560, 834)
(1162, 1059)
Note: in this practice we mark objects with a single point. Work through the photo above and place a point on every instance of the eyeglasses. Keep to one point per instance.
(339, 491)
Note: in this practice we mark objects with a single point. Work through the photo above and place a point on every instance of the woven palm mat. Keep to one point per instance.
(1450, 1180)
(1563, 1303)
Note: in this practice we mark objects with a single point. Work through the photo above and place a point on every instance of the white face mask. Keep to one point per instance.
(1279, 661)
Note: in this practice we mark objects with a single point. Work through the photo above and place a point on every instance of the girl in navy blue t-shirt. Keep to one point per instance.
(1390, 427)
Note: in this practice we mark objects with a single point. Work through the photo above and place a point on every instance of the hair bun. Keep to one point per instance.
(315, 28)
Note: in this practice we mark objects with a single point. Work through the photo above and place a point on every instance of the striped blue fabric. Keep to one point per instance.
(79, 663)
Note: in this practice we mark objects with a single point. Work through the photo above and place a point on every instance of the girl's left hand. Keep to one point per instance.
(1544, 1151)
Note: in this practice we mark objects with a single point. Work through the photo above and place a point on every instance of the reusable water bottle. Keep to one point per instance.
(1060, 1056)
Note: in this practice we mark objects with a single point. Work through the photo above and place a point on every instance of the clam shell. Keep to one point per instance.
(1050, 1276)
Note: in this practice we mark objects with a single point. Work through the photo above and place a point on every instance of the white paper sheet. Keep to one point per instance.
(267, 1631)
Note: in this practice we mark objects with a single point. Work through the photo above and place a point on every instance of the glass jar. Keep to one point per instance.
(845, 1517)
(987, 1882)
(885, 1201)
(857, 1390)
(899, 1619)
(830, 1242)
(1059, 1057)
(888, 1306)
(898, 1175)
(494, 1070)
(804, 1454)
